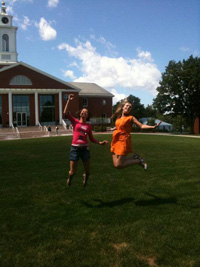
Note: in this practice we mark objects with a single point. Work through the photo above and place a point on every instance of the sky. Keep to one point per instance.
(123, 46)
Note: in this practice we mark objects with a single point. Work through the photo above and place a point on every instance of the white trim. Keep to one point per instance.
(10, 109)
(36, 109)
(60, 107)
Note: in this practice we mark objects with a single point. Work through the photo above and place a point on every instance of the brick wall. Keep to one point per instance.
(73, 104)
(196, 126)
(95, 106)
(5, 115)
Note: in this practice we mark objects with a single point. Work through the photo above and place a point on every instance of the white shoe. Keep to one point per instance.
(143, 164)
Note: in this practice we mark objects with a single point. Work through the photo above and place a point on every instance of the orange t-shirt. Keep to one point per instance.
(121, 140)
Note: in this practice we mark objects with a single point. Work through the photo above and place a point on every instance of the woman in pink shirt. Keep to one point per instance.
(79, 147)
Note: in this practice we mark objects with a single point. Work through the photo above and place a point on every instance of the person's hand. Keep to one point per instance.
(112, 128)
(103, 143)
(158, 124)
(70, 96)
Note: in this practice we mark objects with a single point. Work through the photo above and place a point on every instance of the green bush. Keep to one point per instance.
(99, 128)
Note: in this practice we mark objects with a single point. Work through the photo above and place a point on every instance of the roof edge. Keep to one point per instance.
(39, 71)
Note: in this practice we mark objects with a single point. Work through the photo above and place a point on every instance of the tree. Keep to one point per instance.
(179, 90)
(150, 111)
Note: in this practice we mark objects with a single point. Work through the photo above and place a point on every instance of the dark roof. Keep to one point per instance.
(91, 89)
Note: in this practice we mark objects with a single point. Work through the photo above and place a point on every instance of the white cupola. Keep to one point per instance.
(8, 44)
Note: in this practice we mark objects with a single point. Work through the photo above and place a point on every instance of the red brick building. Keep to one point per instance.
(196, 126)
(29, 96)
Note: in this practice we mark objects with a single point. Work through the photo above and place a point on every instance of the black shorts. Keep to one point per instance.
(82, 152)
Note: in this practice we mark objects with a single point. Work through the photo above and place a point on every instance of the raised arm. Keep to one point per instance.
(70, 97)
(143, 126)
(93, 140)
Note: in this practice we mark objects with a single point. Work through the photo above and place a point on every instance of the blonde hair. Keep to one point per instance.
(118, 111)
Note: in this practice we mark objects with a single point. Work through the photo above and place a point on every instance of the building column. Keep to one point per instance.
(36, 109)
(10, 110)
(60, 107)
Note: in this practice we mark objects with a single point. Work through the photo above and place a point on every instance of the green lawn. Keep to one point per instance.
(123, 218)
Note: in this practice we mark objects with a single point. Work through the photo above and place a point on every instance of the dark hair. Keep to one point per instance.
(79, 112)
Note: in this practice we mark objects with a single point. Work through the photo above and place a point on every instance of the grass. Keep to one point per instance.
(122, 218)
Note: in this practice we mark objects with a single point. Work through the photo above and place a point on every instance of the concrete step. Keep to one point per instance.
(31, 132)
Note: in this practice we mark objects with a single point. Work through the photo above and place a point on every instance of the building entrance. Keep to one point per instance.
(21, 110)
(21, 119)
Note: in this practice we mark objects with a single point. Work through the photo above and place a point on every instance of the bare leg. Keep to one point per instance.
(86, 164)
(73, 169)
(121, 162)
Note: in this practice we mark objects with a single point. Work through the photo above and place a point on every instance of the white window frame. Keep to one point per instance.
(85, 102)
(20, 80)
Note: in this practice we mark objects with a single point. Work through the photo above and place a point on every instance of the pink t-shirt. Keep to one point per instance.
(80, 132)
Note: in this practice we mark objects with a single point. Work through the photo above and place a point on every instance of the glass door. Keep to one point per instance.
(21, 119)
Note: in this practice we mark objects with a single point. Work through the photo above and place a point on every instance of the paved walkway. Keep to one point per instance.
(178, 135)
(35, 132)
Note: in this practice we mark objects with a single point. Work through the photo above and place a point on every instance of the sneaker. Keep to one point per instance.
(143, 164)
(85, 179)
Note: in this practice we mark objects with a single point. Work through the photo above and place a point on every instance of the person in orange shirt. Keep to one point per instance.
(121, 139)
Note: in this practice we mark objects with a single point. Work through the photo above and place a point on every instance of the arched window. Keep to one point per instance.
(5, 43)
(20, 80)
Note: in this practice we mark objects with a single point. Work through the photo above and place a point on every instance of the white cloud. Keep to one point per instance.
(22, 23)
(144, 55)
(195, 53)
(25, 23)
(185, 49)
(46, 32)
(11, 2)
(117, 96)
(110, 48)
(69, 73)
(53, 3)
(9, 10)
(29, 38)
(74, 64)
(114, 72)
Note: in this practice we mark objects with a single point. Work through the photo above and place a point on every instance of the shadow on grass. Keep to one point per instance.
(155, 201)
(110, 204)
(150, 202)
